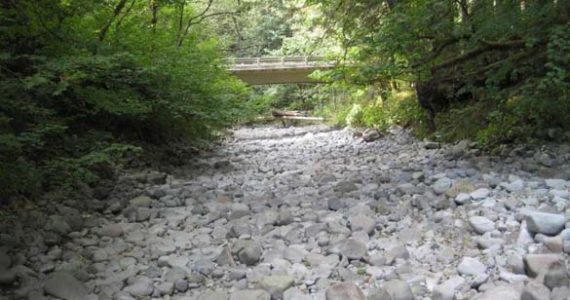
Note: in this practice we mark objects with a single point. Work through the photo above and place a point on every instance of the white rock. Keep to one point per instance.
(471, 266)
(481, 224)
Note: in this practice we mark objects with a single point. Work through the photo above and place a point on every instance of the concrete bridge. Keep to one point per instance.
(277, 70)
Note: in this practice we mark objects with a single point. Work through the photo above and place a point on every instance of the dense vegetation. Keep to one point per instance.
(498, 68)
(88, 84)
(84, 83)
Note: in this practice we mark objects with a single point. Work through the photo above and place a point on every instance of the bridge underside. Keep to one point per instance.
(275, 76)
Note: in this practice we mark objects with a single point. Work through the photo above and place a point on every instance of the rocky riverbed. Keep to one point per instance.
(308, 213)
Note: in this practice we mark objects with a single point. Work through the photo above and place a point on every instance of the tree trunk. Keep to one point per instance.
(116, 12)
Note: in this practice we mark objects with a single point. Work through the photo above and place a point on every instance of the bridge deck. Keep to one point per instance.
(277, 70)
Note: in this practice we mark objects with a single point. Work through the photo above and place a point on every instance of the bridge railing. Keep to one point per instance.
(285, 60)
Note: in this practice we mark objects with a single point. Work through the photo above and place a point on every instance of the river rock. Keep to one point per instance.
(537, 263)
(362, 223)
(344, 291)
(141, 201)
(442, 185)
(353, 249)
(141, 287)
(275, 285)
(65, 286)
(370, 135)
(250, 295)
(398, 290)
(446, 290)
(545, 223)
(501, 292)
(213, 295)
(481, 224)
(535, 291)
(5, 260)
(556, 276)
(250, 254)
(471, 266)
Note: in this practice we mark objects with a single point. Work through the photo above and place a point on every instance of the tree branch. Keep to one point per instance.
(487, 46)
(199, 18)
(118, 8)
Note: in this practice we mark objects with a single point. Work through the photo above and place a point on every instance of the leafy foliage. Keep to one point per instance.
(82, 81)
(502, 66)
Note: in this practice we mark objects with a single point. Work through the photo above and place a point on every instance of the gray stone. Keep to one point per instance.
(471, 266)
(481, 224)
(72, 217)
(397, 252)
(442, 185)
(370, 135)
(560, 293)
(344, 291)
(558, 184)
(141, 287)
(5, 260)
(538, 263)
(335, 204)
(535, 291)
(275, 285)
(556, 276)
(225, 258)
(58, 225)
(501, 292)
(516, 263)
(296, 294)
(165, 288)
(284, 218)
(142, 214)
(446, 290)
(462, 198)
(398, 290)
(111, 230)
(362, 223)
(99, 255)
(250, 254)
(141, 201)
(480, 194)
(239, 210)
(213, 295)
(554, 243)
(181, 285)
(174, 274)
(545, 223)
(65, 286)
(7, 277)
(353, 249)
(431, 145)
(345, 187)
(204, 266)
(250, 295)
